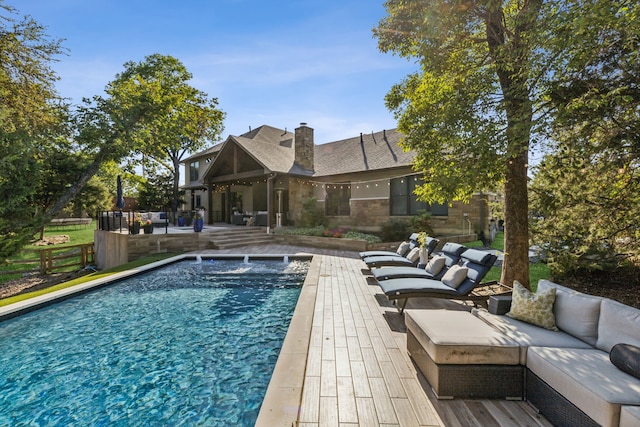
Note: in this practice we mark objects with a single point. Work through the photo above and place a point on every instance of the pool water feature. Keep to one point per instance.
(193, 343)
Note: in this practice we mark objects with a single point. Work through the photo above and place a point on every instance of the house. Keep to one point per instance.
(264, 176)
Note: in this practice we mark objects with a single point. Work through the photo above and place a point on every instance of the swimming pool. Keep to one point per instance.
(191, 343)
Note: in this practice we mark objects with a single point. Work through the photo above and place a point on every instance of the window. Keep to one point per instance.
(194, 171)
(337, 200)
(404, 201)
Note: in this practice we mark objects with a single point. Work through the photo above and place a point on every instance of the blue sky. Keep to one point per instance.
(268, 62)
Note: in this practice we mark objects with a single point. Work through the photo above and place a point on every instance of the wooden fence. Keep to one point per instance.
(50, 259)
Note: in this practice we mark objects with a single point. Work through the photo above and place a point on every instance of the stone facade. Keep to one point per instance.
(304, 146)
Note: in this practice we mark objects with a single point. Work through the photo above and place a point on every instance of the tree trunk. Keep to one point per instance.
(516, 227)
(510, 55)
(176, 184)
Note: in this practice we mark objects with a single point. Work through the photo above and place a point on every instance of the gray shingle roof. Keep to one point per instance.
(271, 147)
(375, 151)
(274, 149)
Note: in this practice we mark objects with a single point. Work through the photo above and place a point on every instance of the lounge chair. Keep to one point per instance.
(477, 264)
(412, 258)
(403, 249)
(450, 252)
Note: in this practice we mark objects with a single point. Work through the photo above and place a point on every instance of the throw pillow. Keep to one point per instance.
(455, 276)
(536, 309)
(413, 255)
(435, 265)
(626, 357)
(403, 248)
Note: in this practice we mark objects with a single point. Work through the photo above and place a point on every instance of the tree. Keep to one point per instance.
(469, 111)
(191, 121)
(29, 113)
(156, 192)
(586, 191)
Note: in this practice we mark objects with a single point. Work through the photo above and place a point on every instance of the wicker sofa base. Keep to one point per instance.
(553, 405)
(449, 381)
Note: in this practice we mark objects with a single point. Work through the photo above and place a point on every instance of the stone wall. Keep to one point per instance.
(114, 249)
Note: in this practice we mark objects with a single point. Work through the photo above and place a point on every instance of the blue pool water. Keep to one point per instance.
(188, 344)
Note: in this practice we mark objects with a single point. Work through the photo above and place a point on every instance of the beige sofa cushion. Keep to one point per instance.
(587, 379)
(630, 416)
(576, 313)
(618, 323)
(459, 338)
(527, 335)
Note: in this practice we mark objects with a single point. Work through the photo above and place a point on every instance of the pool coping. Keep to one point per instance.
(281, 404)
(282, 401)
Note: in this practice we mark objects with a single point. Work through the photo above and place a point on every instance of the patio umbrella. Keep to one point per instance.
(120, 199)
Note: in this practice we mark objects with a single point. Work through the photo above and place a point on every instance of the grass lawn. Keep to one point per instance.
(77, 235)
(87, 278)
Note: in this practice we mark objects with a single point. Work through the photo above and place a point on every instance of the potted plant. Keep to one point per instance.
(148, 227)
(198, 220)
(422, 241)
(134, 225)
(181, 220)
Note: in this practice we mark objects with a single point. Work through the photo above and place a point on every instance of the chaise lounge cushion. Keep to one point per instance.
(536, 309)
(528, 335)
(618, 324)
(586, 378)
(576, 313)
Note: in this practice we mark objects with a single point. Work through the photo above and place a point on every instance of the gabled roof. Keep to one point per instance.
(367, 152)
(203, 153)
(271, 147)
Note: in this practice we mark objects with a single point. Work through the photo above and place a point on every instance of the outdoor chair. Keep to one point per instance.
(435, 269)
(411, 259)
(403, 249)
(458, 283)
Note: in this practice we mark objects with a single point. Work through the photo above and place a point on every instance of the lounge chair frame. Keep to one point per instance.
(478, 263)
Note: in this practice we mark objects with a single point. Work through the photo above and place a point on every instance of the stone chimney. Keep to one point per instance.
(304, 145)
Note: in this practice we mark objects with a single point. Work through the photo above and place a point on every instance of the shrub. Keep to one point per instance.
(311, 215)
(356, 235)
(421, 223)
(395, 230)
(337, 232)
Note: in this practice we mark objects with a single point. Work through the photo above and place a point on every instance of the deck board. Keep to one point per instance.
(366, 371)
(358, 371)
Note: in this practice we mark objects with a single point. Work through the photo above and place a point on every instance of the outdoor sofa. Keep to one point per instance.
(568, 374)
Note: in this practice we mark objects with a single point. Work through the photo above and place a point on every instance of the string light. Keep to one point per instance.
(321, 184)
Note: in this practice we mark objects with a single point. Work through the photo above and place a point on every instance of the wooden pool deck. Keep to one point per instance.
(356, 370)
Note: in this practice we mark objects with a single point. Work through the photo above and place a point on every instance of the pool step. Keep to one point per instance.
(243, 236)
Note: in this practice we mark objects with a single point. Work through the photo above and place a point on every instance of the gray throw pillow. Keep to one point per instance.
(455, 276)
(435, 265)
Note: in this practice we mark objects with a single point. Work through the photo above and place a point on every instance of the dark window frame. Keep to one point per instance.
(337, 201)
(404, 202)
(194, 171)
